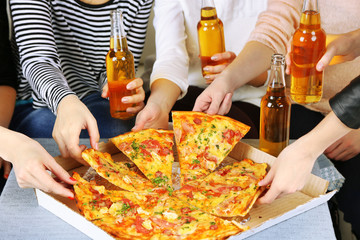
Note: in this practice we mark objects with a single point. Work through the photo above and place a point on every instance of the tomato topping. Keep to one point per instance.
(197, 121)
(125, 146)
(159, 174)
(189, 187)
(187, 219)
(128, 201)
(185, 210)
(229, 136)
(223, 172)
(213, 227)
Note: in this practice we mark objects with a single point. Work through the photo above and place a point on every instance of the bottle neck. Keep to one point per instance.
(310, 5)
(310, 16)
(118, 37)
(208, 10)
(277, 76)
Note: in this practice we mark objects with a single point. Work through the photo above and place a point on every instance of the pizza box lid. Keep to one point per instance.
(261, 216)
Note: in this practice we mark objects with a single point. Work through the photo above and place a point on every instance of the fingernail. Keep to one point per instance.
(320, 66)
(125, 99)
(6, 176)
(96, 146)
(214, 58)
(72, 179)
(206, 69)
(71, 198)
(130, 86)
(207, 77)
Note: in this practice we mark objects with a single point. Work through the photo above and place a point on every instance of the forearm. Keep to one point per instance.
(7, 105)
(164, 93)
(9, 141)
(329, 130)
(249, 66)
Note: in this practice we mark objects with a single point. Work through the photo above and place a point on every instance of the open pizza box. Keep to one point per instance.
(261, 216)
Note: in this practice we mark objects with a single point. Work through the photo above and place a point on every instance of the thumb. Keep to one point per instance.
(105, 91)
(268, 178)
(141, 119)
(326, 59)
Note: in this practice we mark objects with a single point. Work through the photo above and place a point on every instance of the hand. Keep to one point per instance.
(137, 98)
(224, 60)
(152, 116)
(289, 172)
(72, 117)
(346, 147)
(31, 160)
(347, 46)
(215, 99)
(7, 167)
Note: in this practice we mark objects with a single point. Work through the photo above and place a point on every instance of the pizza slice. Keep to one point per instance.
(203, 141)
(151, 151)
(118, 173)
(229, 191)
(131, 215)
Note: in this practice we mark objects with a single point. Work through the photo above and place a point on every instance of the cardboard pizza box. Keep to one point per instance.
(261, 216)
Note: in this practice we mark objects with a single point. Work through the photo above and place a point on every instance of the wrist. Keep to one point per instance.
(68, 99)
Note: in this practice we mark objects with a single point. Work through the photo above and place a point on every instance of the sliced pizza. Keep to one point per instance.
(118, 173)
(151, 151)
(229, 191)
(203, 141)
(131, 215)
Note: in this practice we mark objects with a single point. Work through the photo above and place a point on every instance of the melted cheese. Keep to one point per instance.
(147, 224)
(141, 211)
(115, 207)
(170, 215)
(126, 179)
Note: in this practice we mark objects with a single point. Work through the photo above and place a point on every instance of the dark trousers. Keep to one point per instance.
(348, 198)
(246, 113)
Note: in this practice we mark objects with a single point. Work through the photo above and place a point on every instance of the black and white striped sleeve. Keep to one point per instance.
(37, 50)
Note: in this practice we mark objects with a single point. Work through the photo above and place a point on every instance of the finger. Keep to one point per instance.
(346, 155)
(326, 59)
(141, 120)
(288, 57)
(62, 147)
(209, 78)
(215, 69)
(58, 171)
(268, 178)
(332, 147)
(214, 106)
(269, 197)
(48, 184)
(93, 130)
(223, 56)
(136, 98)
(105, 91)
(135, 109)
(136, 83)
(226, 104)
(201, 104)
(7, 169)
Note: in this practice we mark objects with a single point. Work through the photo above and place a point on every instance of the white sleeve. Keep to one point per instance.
(172, 60)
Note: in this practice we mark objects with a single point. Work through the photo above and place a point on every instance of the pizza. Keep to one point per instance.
(151, 151)
(132, 215)
(118, 173)
(203, 141)
(228, 192)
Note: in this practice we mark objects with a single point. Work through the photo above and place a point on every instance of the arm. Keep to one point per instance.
(273, 29)
(30, 163)
(169, 76)
(293, 166)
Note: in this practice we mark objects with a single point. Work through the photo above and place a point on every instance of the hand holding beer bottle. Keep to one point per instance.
(120, 72)
(210, 35)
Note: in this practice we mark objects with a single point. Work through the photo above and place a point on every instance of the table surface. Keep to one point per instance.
(22, 218)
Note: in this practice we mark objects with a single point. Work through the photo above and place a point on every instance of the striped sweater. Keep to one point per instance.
(62, 45)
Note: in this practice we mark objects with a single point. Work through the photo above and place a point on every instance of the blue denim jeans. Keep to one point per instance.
(39, 123)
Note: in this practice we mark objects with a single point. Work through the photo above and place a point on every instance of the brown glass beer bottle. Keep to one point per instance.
(119, 67)
(275, 110)
(308, 46)
(210, 35)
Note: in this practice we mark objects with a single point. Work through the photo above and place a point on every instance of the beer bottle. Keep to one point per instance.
(119, 67)
(275, 110)
(308, 46)
(210, 35)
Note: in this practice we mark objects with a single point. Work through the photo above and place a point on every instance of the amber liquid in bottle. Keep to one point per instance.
(308, 46)
(211, 36)
(275, 111)
(120, 70)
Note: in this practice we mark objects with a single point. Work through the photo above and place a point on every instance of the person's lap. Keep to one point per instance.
(39, 123)
(304, 120)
